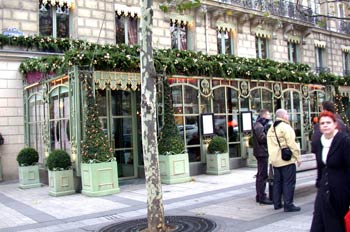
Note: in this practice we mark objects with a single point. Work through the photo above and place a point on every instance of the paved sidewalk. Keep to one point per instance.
(229, 200)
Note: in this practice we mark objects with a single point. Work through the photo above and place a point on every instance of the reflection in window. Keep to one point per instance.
(54, 19)
(178, 31)
(224, 42)
(262, 47)
(293, 52)
(126, 29)
(36, 122)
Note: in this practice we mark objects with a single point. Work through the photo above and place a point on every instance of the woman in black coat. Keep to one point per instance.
(333, 177)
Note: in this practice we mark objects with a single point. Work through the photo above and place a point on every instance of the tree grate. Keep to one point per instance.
(176, 223)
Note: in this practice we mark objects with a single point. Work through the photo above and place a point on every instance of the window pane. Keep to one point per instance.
(120, 29)
(132, 31)
(62, 25)
(191, 100)
(219, 100)
(227, 42)
(45, 21)
(178, 36)
(176, 92)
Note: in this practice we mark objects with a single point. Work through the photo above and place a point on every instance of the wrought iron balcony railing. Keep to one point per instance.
(344, 27)
(278, 8)
(322, 70)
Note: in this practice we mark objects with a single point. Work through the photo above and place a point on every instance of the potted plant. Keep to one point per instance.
(28, 168)
(217, 156)
(99, 170)
(173, 160)
(60, 173)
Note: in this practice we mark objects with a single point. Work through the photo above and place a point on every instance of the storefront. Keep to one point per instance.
(54, 111)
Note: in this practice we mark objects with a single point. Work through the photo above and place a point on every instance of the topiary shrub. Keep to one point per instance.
(217, 145)
(58, 160)
(27, 157)
(170, 142)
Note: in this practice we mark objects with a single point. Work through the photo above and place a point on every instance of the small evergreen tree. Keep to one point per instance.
(95, 147)
(170, 142)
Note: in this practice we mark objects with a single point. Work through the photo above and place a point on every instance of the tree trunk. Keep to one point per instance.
(155, 210)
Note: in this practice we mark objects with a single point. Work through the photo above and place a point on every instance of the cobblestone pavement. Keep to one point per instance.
(229, 200)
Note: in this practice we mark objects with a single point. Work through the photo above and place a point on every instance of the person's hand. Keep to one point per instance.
(298, 163)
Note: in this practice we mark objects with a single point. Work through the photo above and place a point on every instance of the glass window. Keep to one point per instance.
(346, 63)
(293, 52)
(126, 29)
(262, 47)
(319, 56)
(54, 20)
(178, 31)
(224, 42)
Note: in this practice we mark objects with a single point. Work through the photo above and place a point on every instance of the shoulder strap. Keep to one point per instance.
(276, 136)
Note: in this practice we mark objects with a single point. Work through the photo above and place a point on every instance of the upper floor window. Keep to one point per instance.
(262, 47)
(320, 59)
(346, 63)
(292, 52)
(54, 19)
(126, 29)
(178, 31)
(225, 42)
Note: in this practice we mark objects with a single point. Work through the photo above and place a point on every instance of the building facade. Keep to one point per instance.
(278, 30)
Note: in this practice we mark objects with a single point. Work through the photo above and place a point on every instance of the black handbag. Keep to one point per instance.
(286, 152)
(1, 140)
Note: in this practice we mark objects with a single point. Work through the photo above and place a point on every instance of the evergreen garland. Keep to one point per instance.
(95, 147)
(170, 142)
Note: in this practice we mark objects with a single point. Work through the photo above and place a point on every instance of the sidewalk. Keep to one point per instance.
(229, 200)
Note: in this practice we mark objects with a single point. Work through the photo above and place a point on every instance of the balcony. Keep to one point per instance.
(344, 27)
(277, 8)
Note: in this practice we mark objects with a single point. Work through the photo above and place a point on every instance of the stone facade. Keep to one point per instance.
(94, 21)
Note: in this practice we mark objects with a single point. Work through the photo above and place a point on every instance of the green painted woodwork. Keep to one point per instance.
(218, 164)
(29, 177)
(61, 183)
(99, 179)
(174, 169)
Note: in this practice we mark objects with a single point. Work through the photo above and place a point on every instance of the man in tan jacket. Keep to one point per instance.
(284, 172)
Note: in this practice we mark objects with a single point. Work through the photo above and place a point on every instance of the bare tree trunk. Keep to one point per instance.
(155, 210)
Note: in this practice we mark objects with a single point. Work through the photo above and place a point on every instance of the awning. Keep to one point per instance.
(60, 3)
(345, 48)
(184, 19)
(126, 10)
(294, 39)
(222, 26)
(319, 43)
(261, 33)
(117, 80)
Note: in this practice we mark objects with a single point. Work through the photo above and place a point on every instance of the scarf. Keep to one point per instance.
(326, 143)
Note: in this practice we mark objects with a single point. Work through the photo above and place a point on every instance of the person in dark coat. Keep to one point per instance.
(333, 177)
(328, 106)
(260, 152)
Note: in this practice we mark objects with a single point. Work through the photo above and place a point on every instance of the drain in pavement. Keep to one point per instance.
(176, 223)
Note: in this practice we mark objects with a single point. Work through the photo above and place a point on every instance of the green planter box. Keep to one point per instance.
(99, 179)
(218, 164)
(174, 169)
(29, 177)
(61, 183)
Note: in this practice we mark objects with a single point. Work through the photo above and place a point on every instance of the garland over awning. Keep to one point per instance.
(319, 43)
(117, 80)
(133, 11)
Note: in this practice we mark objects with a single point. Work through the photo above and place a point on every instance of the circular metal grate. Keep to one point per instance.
(176, 223)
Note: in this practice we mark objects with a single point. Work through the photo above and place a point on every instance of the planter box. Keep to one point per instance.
(29, 177)
(218, 164)
(61, 183)
(252, 162)
(99, 179)
(174, 169)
